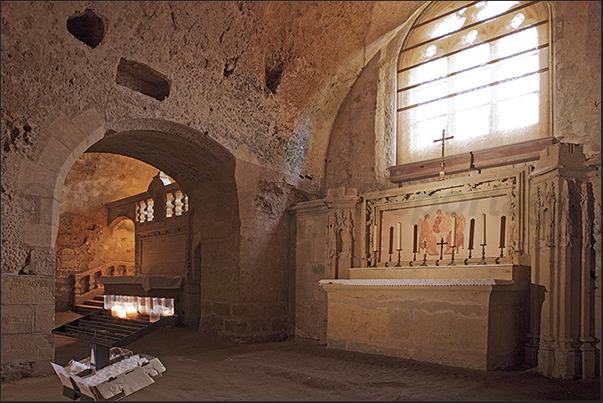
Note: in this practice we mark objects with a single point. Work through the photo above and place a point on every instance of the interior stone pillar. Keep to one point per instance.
(562, 264)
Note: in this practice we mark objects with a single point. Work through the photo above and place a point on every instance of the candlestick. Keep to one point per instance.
(453, 235)
(483, 261)
(484, 228)
(425, 252)
(391, 240)
(399, 236)
(414, 241)
(503, 220)
(398, 263)
(452, 260)
(471, 233)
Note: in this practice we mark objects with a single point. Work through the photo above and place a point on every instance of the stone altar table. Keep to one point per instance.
(466, 316)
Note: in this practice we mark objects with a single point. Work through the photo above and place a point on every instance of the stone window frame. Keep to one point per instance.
(522, 145)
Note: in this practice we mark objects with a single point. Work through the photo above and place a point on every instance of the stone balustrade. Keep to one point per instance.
(86, 283)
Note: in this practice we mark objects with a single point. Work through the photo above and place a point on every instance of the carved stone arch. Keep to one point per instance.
(115, 221)
(204, 169)
(42, 177)
(205, 172)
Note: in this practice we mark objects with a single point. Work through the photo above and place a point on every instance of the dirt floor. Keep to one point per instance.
(201, 369)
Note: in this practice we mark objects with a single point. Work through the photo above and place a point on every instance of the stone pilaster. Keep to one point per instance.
(324, 249)
(342, 204)
(563, 288)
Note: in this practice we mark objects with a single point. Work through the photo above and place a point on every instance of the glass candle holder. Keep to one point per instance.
(118, 308)
(155, 311)
(167, 307)
(143, 305)
(130, 304)
(108, 301)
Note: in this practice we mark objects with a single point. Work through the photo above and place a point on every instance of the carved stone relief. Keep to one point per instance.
(340, 233)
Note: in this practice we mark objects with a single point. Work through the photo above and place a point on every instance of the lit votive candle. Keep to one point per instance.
(130, 305)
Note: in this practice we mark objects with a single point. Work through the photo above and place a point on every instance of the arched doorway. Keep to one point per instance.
(203, 168)
(89, 242)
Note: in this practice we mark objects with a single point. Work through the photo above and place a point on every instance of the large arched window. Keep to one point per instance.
(480, 71)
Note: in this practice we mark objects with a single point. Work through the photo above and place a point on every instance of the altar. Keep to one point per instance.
(491, 269)
(465, 316)
(442, 275)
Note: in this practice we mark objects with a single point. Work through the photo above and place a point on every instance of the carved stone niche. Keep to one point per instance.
(562, 330)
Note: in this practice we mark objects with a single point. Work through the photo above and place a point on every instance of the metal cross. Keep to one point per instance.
(442, 243)
(443, 140)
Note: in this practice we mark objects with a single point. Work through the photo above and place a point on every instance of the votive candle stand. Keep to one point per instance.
(130, 307)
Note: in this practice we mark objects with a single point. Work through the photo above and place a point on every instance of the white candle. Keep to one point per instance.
(483, 228)
(399, 236)
(375, 238)
(453, 235)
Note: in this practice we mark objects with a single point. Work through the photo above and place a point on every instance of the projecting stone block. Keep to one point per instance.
(17, 319)
(19, 290)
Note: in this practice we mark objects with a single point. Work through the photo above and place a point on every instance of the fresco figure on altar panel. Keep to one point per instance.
(425, 225)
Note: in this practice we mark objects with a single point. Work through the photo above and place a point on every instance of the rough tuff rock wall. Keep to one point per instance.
(258, 77)
(84, 241)
(262, 79)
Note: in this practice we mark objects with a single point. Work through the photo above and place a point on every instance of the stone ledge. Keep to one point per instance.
(433, 282)
(481, 159)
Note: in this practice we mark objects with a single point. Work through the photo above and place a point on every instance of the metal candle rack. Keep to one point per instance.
(104, 331)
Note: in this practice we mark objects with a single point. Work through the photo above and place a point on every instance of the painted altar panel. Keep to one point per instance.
(418, 219)
(434, 224)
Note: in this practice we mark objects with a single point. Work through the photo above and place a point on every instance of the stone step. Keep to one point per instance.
(94, 302)
(90, 305)
(84, 309)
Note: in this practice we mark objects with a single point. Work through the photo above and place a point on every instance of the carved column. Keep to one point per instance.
(563, 287)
